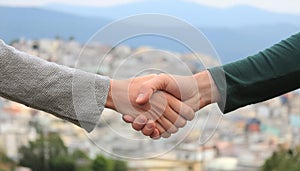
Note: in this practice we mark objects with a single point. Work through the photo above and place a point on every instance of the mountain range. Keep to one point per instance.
(235, 32)
(196, 14)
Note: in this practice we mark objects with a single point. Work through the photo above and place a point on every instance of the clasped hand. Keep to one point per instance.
(158, 105)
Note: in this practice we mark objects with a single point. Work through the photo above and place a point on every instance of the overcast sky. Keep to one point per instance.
(285, 6)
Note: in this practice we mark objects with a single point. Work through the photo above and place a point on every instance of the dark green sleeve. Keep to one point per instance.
(268, 74)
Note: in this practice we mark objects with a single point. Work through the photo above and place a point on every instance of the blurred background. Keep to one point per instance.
(263, 136)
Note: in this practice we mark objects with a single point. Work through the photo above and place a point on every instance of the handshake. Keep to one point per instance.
(158, 105)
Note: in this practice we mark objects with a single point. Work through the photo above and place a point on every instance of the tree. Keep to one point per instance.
(33, 156)
(46, 153)
(283, 160)
(120, 165)
(62, 163)
(82, 161)
(6, 163)
(101, 163)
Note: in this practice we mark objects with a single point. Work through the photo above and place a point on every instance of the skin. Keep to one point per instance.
(161, 116)
(196, 91)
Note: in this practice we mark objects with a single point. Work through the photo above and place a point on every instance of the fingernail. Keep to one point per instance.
(140, 97)
(128, 118)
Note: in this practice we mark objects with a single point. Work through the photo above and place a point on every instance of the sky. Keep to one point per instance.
(282, 6)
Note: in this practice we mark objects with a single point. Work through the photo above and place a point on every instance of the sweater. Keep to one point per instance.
(270, 73)
(67, 93)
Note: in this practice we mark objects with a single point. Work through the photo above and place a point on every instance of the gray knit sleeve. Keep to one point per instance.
(67, 93)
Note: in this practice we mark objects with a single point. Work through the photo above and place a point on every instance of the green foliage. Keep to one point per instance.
(82, 161)
(283, 160)
(32, 156)
(100, 163)
(43, 154)
(120, 165)
(78, 154)
(62, 163)
(48, 153)
(6, 164)
(5, 159)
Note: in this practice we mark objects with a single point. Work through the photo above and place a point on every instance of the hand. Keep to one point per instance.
(162, 108)
(195, 91)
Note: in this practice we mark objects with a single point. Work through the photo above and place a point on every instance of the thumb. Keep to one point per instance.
(148, 88)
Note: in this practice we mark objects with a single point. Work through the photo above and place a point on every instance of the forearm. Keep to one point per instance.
(263, 76)
(59, 90)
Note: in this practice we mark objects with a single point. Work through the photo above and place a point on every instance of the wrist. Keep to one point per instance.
(207, 88)
(109, 101)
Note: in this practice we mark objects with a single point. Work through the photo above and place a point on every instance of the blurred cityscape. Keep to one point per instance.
(241, 141)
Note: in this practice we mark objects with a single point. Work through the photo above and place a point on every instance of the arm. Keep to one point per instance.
(268, 74)
(80, 97)
(47, 86)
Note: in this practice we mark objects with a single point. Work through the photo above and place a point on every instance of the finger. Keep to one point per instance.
(167, 125)
(176, 119)
(160, 128)
(155, 135)
(181, 108)
(162, 131)
(128, 118)
(165, 135)
(149, 128)
(149, 87)
(139, 122)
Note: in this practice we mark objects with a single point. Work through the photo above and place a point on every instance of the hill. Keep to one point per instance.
(196, 14)
(230, 43)
(34, 23)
